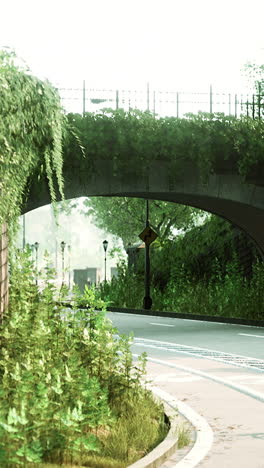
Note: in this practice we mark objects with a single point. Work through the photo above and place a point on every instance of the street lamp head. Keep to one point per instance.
(105, 244)
(63, 245)
(36, 245)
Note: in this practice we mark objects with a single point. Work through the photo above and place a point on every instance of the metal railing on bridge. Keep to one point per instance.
(162, 103)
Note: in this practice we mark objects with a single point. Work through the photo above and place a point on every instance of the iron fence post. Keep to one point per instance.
(84, 98)
(148, 96)
(259, 101)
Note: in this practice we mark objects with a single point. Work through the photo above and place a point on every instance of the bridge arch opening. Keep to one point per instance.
(117, 213)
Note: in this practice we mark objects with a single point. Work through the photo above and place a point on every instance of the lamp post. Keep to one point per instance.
(36, 245)
(105, 245)
(147, 302)
(63, 245)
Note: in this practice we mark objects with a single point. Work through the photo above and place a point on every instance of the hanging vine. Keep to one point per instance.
(31, 126)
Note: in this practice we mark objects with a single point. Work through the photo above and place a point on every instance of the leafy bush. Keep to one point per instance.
(66, 376)
(126, 289)
(227, 293)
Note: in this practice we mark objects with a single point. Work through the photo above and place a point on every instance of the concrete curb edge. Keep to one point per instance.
(202, 444)
(205, 318)
(204, 433)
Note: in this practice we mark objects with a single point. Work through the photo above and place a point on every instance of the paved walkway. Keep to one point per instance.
(237, 420)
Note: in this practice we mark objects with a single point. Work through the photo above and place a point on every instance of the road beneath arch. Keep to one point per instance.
(217, 369)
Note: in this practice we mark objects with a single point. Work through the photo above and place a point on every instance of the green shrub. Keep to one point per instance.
(226, 294)
(66, 376)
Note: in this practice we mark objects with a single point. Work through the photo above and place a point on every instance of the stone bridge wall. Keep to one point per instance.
(3, 269)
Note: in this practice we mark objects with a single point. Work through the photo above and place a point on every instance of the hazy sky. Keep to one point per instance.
(173, 44)
(76, 230)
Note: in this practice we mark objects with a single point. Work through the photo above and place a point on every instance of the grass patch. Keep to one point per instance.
(140, 428)
(184, 435)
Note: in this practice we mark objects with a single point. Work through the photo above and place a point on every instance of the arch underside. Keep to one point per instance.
(248, 218)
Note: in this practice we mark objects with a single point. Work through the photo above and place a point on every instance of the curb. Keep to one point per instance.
(203, 436)
(205, 318)
(204, 433)
(167, 447)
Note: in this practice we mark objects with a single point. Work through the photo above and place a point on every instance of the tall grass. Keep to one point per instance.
(68, 385)
(227, 294)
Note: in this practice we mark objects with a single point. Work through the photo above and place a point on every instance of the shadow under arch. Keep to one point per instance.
(226, 195)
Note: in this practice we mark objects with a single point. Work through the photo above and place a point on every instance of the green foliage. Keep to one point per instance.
(133, 140)
(126, 217)
(199, 273)
(227, 294)
(126, 289)
(184, 435)
(140, 428)
(193, 254)
(66, 376)
(255, 76)
(31, 127)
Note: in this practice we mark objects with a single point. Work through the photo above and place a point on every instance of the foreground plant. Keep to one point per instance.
(66, 377)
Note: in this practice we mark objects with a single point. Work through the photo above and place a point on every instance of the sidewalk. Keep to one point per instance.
(237, 420)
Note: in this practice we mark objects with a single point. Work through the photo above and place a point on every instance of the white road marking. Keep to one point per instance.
(240, 388)
(173, 379)
(160, 324)
(247, 379)
(243, 377)
(204, 321)
(255, 336)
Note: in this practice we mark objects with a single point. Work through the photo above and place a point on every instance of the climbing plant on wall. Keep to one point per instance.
(31, 127)
(134, 139)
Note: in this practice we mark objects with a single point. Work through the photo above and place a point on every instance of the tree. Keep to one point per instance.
(255, 76)
(126, 217)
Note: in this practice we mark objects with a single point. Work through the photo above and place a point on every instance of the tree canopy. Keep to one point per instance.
(31, 127)
(126, 217)
(255, 77)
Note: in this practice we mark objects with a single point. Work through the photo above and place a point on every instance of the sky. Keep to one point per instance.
(76, 230)
(172, 44)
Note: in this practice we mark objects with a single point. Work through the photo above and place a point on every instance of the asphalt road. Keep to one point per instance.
(228, 395)
(237, 339)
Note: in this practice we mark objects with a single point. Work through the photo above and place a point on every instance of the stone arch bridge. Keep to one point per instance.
(224, 192)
